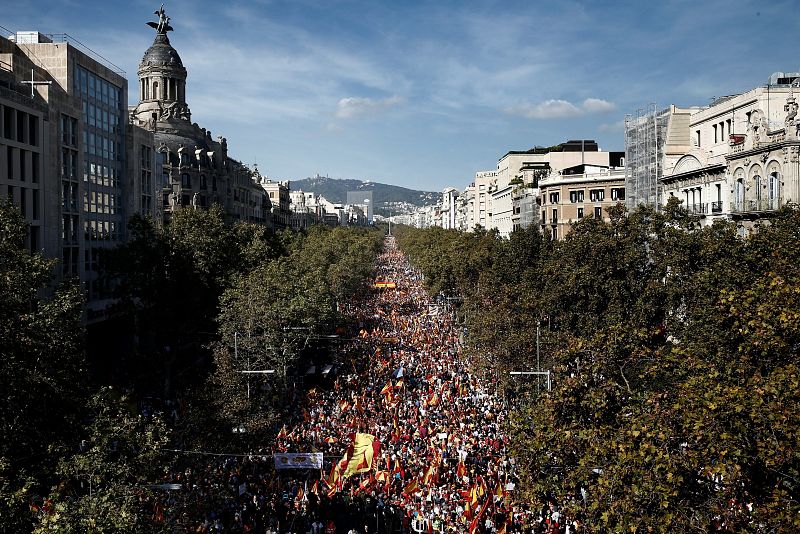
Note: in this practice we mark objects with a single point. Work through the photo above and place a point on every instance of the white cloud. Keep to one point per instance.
(557, 109)
(354, 107)
(549, 109)
(597, 105)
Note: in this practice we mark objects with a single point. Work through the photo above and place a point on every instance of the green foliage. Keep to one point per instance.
(42, 368)
(674, 352)
(104, 483)
(169, 280)
(271, 314)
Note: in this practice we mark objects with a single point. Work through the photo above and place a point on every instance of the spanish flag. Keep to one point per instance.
(461, 470)
(499, 490)
(387, 388)
(283, 433)
(360, 455)
(429, 474)
(412, 487)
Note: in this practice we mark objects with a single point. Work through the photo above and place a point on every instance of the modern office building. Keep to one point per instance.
(89, 162)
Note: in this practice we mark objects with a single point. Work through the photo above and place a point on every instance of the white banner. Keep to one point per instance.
(298, 460)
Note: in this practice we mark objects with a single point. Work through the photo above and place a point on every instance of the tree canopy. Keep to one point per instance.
(674, 353)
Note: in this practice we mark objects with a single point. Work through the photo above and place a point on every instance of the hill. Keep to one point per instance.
(384, 197)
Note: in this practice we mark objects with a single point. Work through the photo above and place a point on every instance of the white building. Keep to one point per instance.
(738, 157)
(448, 209)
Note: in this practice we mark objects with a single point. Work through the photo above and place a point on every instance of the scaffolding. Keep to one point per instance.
(645, 139)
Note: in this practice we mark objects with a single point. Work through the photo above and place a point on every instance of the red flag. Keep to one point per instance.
(461, 470)
(474, 525)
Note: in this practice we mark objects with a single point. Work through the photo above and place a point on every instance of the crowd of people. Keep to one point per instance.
(440, 461)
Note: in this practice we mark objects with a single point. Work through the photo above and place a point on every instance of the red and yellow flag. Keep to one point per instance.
(360, 454)
(461, 470)
(411, 487)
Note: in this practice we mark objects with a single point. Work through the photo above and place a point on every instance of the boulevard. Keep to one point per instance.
(440, 459)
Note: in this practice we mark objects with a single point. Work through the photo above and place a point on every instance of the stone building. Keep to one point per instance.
(278, 195)
(578, 192)
(193, 170)
(738, 156)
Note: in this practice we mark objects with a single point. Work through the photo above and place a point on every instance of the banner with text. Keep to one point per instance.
(298, 460)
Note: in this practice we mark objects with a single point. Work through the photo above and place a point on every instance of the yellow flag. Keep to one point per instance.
(359, 460)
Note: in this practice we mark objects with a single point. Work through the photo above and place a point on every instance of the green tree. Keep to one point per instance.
(105, 486)
(42, 367)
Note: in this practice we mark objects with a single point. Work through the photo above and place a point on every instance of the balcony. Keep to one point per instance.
(698, 209)
(716, 207)
(750, 206)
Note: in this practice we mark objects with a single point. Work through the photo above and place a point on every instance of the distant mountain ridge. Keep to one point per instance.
(385, 197)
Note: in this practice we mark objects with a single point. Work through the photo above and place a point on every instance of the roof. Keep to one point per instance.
(161, 53)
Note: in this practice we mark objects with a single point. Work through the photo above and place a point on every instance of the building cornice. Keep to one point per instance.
(694, 172)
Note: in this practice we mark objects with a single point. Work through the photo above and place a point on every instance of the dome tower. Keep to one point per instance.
(162, 81)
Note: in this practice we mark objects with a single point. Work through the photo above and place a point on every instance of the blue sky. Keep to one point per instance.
(424, 93)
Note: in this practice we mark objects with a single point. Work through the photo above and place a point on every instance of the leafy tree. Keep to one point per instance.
(106, 483)
(42, 367)
(674, 355)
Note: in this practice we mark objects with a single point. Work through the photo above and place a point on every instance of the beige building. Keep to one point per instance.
(739, 156)
(579, 192)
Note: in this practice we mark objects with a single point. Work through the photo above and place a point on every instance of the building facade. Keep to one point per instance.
(89, 167)
(739, 157)
(193, 170)
(587, 192)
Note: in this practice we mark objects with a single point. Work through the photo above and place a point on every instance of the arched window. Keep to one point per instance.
(757, 185)
(738, 190)
(155, 90)
(774, 190)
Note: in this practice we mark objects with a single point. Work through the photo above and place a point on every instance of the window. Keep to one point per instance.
(554, 218)
(33, 126)
(553, 198)
(617, 193)
(598, 213)
(186, 181)
(580, 213)
(757, 186)
(774, 189)
(576, 196)
(22, 166)
(716, 138)
(597, 195)
(10, 163)
(34, 167)
(697, 138)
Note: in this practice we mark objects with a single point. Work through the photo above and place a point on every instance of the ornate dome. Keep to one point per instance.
(161, 53)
